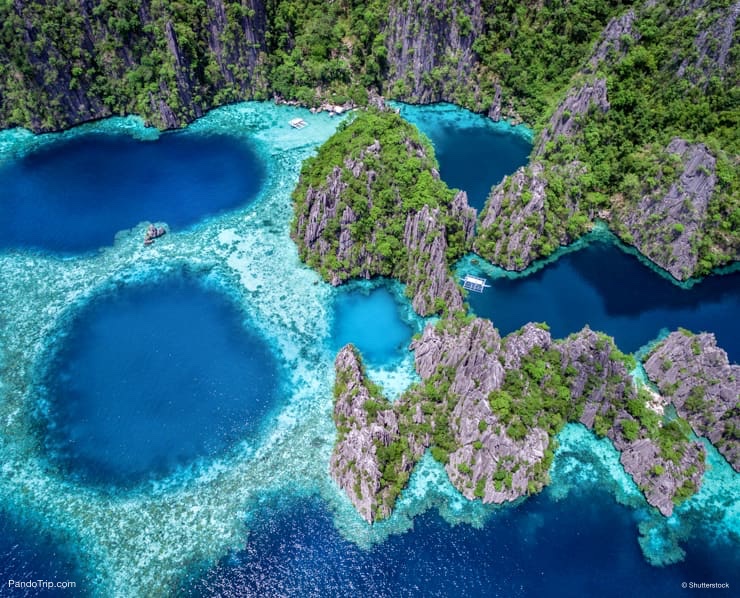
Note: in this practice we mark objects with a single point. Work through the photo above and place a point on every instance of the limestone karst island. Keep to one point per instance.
(383, 298)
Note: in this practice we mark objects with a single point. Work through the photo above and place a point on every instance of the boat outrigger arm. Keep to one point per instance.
(474, 283)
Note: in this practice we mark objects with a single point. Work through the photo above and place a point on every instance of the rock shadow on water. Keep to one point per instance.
(149, 378)
(74, 193)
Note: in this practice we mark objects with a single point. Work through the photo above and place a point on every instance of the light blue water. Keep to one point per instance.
(152, 377)
(74, 194)
(370, 318)
(614, 292)
(474, 153)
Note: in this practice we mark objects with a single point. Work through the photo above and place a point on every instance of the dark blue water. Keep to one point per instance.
(474, 153)
(371, 320)
(583, 546)
(154, 376)
(29, 555)
(75, 194)
(613, 292)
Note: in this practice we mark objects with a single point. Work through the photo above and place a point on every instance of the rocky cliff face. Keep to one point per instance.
(569, 115)
(666, 222)
(424, 36)
(363, 220)
(427, 271)
(513, 219)
(614, 40)
(355, 465)
(523, 220)
(489, 463)
(430, 53)
(703, 386)
(713, 44)
(490, 407)
(663, 205)
(663, 474)
(63, 66)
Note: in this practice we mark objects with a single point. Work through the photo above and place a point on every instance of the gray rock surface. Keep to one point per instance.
(354, 463)
(703, 386)
(518, 225)
(569, 114)
(427, 269)
(713, 44)
(612, 46)
(607, 387)
(667, 220)
(522, 195)
(462, 365)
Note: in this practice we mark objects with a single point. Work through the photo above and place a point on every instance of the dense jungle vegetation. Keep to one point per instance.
(672, 74)
(125, 56)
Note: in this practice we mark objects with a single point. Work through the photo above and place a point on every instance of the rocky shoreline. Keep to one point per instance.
(489, 409)
(698, 379)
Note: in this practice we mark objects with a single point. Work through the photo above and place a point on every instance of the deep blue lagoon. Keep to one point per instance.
(582, 546)
(613, 292)
(75, 193)
(474, 153)
(151, 377)
(162, 374)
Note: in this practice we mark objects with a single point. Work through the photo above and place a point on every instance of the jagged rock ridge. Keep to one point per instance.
(666, 222)
(674, 201)
(704, 387)
(384, 212)
(489, 408)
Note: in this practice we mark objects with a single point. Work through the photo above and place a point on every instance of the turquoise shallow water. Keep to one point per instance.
(372, 320)
(262, 513)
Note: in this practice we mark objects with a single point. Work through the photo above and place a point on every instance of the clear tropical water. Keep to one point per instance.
(154, 375)
(29, 555)
(541, 548)
(474, 153)
(74, 194)
(611, 291)
(254, 511)
(370, 319)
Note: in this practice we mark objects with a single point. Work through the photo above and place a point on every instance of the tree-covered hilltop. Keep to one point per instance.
(646, 137)
(635, 104)
(371, 203)
(63, 62)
